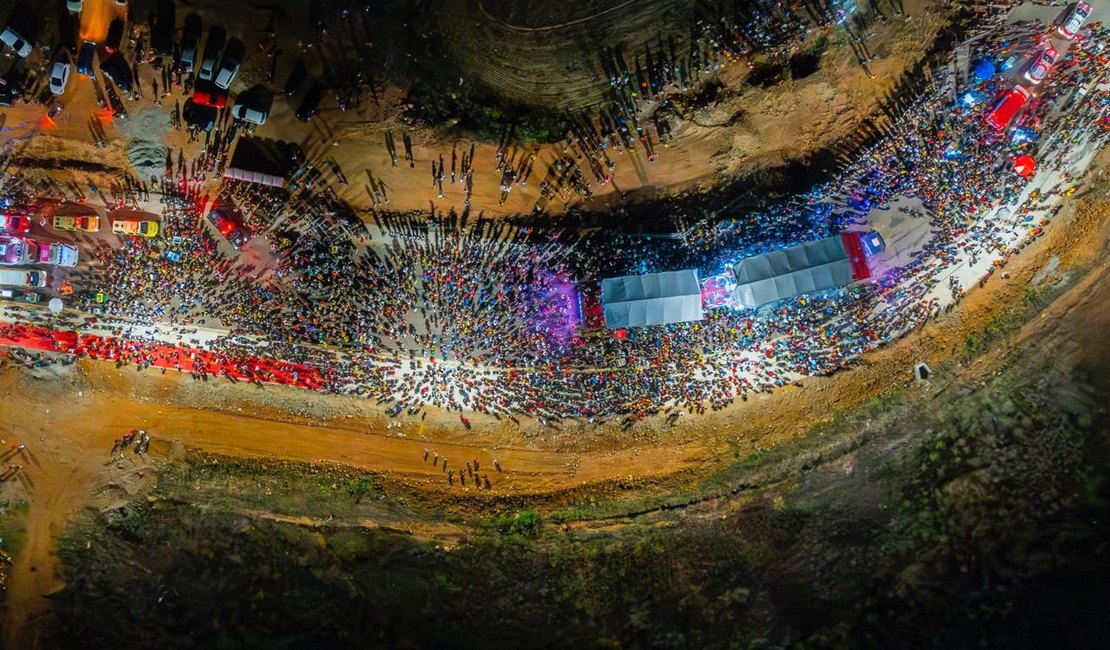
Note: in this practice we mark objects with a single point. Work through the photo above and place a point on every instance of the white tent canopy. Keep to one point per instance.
(789, 272)
(654, 299)
(254, 177)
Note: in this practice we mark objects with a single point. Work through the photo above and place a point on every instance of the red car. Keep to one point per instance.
(228, 222)
(15, 223)
(1042, 65)
(1007, 108)
(215, 98)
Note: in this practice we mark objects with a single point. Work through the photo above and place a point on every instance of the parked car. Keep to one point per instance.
(19, 295)
(201, 116)
(75, 6)
(1007, 108)
(230, 63)
(59, 76)
(190, 40)
(228, 221)
(247, 113)
(229, 67)
(9, 93)
(23, 277)
(12, 39)
(119, 111)
(296, 79)
(85, 59)
(17, 250)
(1071, 21)
(116, 68)
(1040, 66)
(207, 94)
(85, 223)
(141, 227)
(311, 102)
(115, 36)
(213, 48)
(58, 254)
(15, 223)
(162, 29)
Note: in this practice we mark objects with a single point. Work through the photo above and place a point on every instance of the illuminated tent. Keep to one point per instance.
(789, 272)
(654, 299)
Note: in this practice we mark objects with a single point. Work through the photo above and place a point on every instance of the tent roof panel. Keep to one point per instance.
(653, 299)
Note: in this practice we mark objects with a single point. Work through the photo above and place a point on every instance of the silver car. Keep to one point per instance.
(59, 77)
(12, 39)
(249, 114)
(229, 67)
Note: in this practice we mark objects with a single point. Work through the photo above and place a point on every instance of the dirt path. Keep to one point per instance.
(59, 476)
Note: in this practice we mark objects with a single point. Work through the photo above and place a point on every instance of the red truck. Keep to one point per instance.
(1007, 108)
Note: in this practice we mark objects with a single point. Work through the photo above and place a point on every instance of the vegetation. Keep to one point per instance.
(473, 112)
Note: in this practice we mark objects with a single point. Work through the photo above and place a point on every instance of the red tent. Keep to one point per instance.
(1025, 165)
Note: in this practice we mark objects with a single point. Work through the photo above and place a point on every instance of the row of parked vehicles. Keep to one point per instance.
(1007, 107)
(17, 248)
(91, 223)
(220, 63)
(215, 61)
(215, 65)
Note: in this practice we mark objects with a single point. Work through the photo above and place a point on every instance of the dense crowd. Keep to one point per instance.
(416, 310)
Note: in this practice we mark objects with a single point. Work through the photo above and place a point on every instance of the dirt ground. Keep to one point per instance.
(747, 128)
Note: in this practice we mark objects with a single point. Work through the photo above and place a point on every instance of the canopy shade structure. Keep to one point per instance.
(1025, 165)
(654, 299)
(789, 272)
(985, 70)
(264, 162)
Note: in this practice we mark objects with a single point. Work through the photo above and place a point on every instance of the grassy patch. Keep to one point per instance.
(13, 533)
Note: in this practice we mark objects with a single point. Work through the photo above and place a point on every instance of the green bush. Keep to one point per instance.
(524, 522)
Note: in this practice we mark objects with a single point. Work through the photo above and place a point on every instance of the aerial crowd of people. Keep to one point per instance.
(464, 314)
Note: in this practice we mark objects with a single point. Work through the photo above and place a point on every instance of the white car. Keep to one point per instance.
(59, 77)
(1071, 21)
(249, 114)
(12, 39)
(75, 6)
(1040, 66)
(229, 67)
(207, 68)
